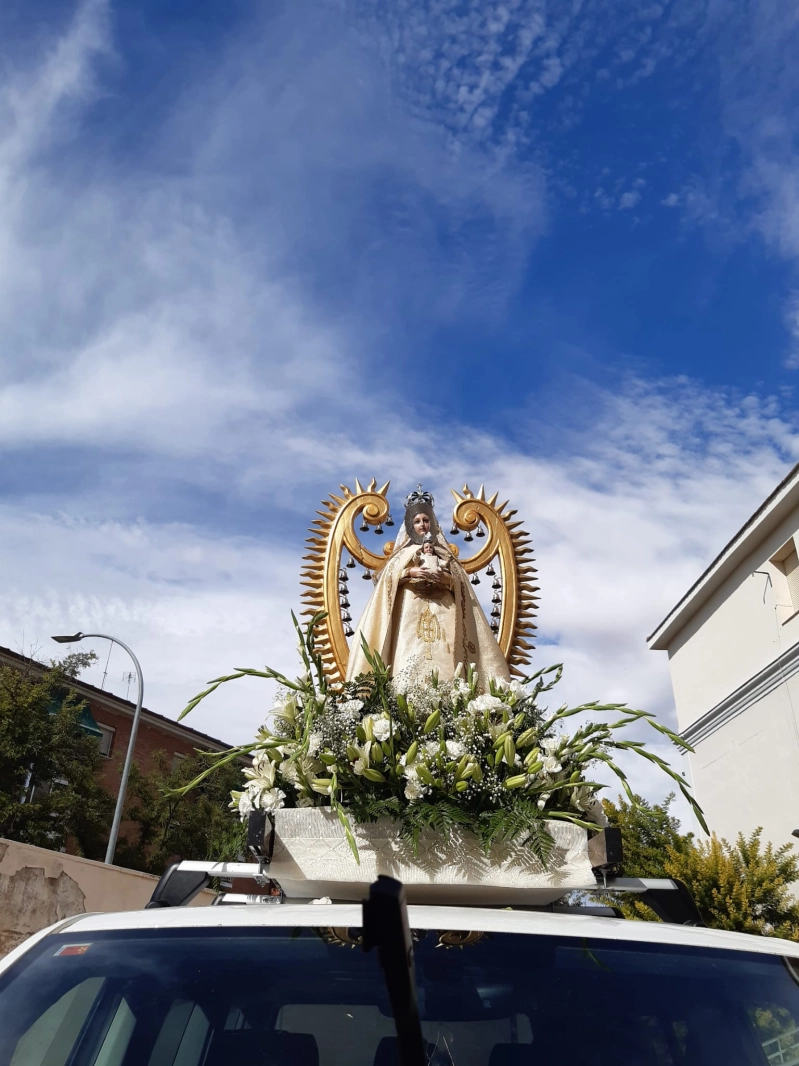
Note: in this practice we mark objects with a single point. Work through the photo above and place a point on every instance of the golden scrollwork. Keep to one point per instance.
(459, 938)
(333, 532)
(341, 936)
(510, 544)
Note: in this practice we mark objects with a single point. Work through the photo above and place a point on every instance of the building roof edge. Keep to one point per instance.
(119, 704)
(756, 526)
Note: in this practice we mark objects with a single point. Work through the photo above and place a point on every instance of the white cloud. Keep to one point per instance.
(791, 320)
(629, 199)
(623, 520)
(179, 304)
(757, 89)
(192, 605)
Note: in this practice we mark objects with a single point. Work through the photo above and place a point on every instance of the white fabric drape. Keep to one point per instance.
(418, 628)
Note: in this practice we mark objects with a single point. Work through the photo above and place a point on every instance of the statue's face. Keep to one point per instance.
(421, 523)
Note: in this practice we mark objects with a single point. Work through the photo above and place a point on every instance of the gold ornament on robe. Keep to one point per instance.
(506, 546)
(428, 630)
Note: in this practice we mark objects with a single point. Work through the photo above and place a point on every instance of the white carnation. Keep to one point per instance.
(304, 801)
(314, 743)
(486, 702)
(455, 749)
(381, 727)
(413, 790)
(245, 805)
(271, 799)
(289, 771)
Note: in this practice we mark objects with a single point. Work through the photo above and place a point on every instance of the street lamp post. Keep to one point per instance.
(112, 840)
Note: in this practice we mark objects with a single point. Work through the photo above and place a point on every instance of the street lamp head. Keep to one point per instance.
(795, 832)
(68, 640)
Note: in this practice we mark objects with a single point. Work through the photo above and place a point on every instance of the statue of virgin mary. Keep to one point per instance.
(423, 614)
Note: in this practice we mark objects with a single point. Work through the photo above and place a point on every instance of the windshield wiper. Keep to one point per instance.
(385, 927)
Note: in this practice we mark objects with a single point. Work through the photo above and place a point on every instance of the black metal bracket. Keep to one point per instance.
(259, 844)
(675, 904)
(605, 853)
(386, 927)
(178, 887)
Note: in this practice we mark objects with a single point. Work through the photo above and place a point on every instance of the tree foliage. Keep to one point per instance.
(49, 786)
(744, 886)
(161, 826)
(747, 887)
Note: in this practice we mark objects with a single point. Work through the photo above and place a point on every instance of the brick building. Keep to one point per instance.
(110, 718)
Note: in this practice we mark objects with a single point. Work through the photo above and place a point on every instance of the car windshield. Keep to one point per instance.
(312, 996)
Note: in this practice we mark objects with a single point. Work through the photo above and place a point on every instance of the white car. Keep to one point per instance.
(290, 983)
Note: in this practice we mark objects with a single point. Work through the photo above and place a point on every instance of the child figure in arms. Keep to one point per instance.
(428, 570)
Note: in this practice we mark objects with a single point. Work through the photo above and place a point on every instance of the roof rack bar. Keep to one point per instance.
(225, 899)
(668, 898)
(637, 884)
(223, 869)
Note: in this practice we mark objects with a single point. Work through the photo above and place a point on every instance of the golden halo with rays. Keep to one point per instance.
(333, 532)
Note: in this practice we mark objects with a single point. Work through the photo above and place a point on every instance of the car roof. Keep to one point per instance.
(349, 915)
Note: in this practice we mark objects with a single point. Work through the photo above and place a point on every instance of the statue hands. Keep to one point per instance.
(430, 577)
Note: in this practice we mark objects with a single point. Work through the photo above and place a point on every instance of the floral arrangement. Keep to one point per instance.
(432, 756)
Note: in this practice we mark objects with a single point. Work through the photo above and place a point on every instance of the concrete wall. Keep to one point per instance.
(39, 887)
(745, 772)
(745, 625)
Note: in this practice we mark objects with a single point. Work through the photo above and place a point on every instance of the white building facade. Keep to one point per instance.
(733, 646)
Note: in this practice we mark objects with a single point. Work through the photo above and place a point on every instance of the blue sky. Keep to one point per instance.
(250, 251)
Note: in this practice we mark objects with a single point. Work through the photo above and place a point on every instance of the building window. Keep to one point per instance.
(787, 562)
(177, 759)
(106, 740)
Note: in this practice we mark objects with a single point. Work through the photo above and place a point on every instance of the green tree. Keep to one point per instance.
(650, 834)
(161, 827)
(744, 886)
(49, 764)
